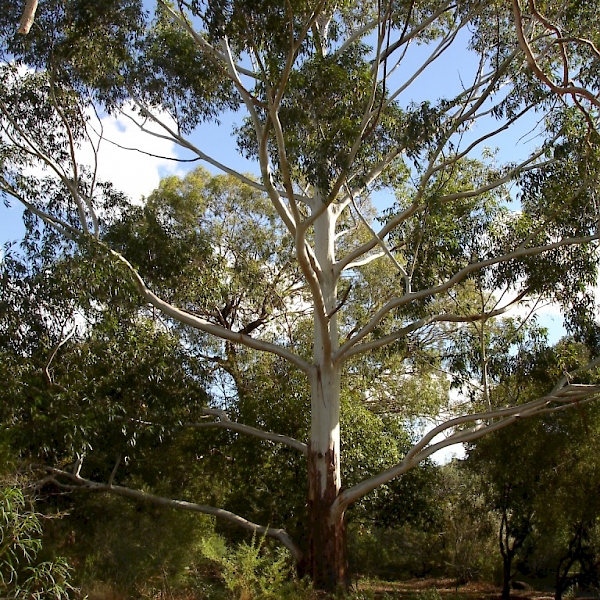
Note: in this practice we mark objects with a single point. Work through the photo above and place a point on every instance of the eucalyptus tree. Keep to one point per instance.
(325, 90)
(243, 283)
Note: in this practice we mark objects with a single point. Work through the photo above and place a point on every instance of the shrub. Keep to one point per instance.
(20, 542)
(252, 571)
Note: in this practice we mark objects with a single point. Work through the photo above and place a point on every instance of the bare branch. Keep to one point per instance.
(203, 325)
(356, 36)
(365, 260)
(352, 256)
(54, 351)
(424, 322)
(144, 152)
(111, 479)
(78, 482)
(443, 7)
(484, 423)
(78, 464)
(443, 45)
(224, 422)
(567, 88)
(173, 136)
(381, 243)
(491, 134)
(455, 279)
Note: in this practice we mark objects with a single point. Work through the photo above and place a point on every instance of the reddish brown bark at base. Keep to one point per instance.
(325, 561)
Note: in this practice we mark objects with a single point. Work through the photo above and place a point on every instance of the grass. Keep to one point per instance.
(366, 589)
(442, 589)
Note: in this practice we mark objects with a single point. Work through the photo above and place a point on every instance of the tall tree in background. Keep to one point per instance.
(325, 92)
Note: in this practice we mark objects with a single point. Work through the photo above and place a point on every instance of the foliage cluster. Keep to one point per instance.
(22, 574)
(133, 380)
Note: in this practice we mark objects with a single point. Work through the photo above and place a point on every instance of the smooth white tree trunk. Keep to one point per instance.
(326, 556)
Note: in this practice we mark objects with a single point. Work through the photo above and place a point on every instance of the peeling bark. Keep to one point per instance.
(326, 560)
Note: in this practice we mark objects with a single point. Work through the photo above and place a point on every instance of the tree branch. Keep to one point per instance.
(365, 260)
(185, 143)
(27, 17)
(455, 279)
(76, 181)
(381, 243)
(217, 56)
(54, 351)
(164, 306)
(442, 318)
(568, 88)
(352, 256)
(484, 423)
(261, 132)
(70, 182)
(432, 168)
(444, 6)
(224, 422)
(203, 325)
(57, 224)
(79, 482)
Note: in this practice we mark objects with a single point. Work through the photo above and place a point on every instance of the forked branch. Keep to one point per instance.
(462, 274)
(562, 396)
(567, 87)
(425, 321)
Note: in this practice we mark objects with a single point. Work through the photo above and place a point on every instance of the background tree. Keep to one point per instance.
(329, 120)
(530, 496)
(22, 573)
(568, 544)
(73, 390)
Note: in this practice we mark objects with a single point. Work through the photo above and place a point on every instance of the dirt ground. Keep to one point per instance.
(447, 589)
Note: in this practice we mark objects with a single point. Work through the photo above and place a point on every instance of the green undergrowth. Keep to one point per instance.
(23, 576)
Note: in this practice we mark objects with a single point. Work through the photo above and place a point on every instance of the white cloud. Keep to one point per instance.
(120, 160)
(132, 172)
(447, 454)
